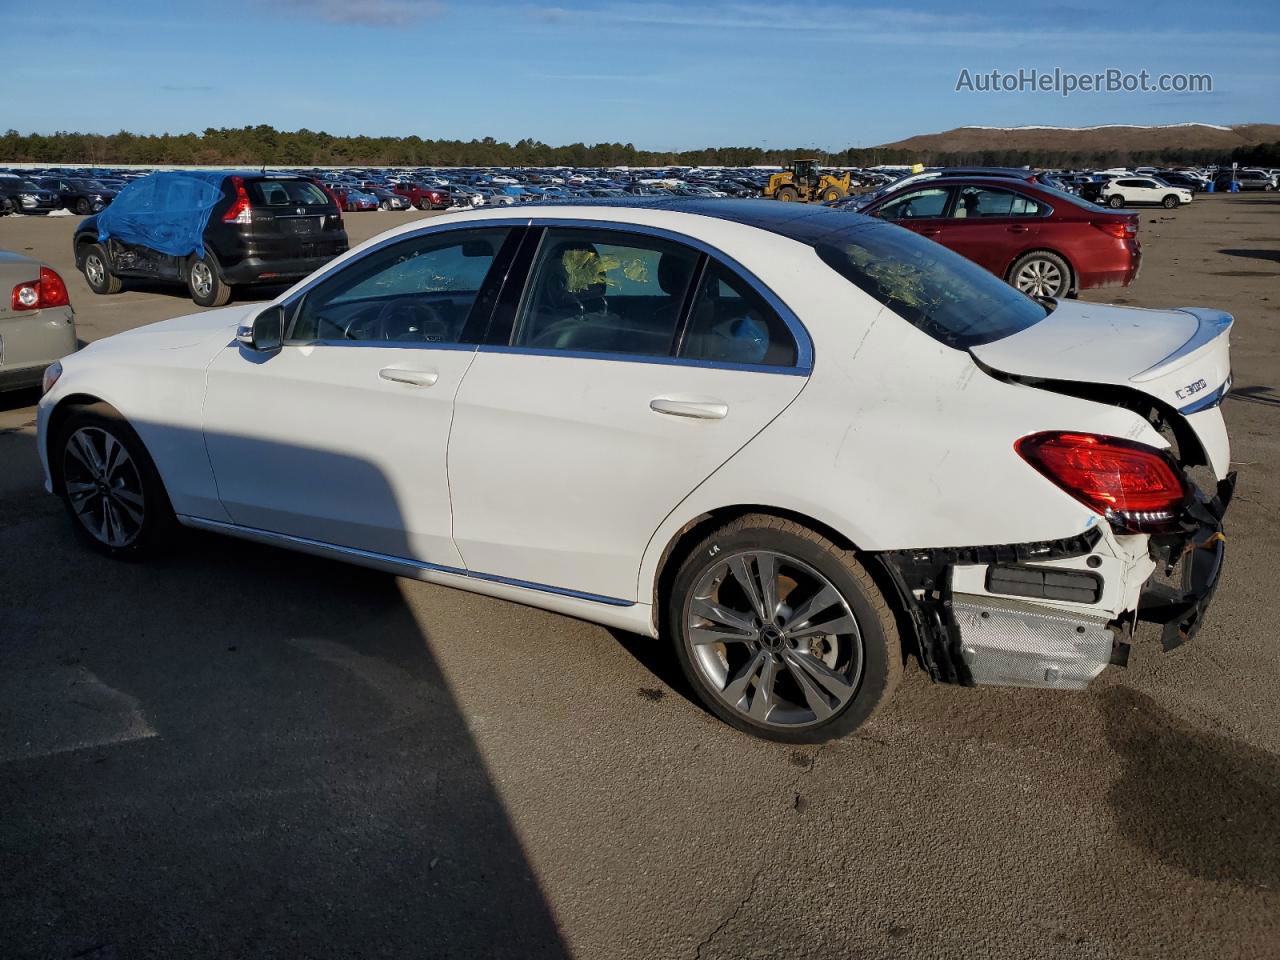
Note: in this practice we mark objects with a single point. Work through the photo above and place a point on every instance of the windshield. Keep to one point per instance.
(947, 296)
(89, 185)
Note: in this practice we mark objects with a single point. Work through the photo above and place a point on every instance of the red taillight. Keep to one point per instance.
(1120, 229)
(241, 210)
(47, 291)
(1135, 486)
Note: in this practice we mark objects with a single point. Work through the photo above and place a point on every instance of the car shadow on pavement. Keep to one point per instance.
(236, 751)
(1195, 800)
(1256, 394)
(1272, 255)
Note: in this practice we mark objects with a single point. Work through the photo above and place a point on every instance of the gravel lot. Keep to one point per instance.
(244, 752)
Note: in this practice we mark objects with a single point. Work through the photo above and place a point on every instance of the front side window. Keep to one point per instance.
(984, 202)
(929, 202)
(605, 292)
(731, 323)
(417, 291)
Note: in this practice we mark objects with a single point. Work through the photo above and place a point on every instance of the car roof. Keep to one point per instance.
(792, 220)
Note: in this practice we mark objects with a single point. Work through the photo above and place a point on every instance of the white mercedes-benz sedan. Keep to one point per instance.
(801, 444)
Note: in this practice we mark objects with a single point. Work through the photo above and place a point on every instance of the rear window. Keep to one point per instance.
(285, 193)
(947, 296)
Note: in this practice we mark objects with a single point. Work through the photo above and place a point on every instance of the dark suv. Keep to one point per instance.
(78, 194)
(19, 195)
(211, 231)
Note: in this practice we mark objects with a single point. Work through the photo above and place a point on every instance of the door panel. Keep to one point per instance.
(561, 469)
(319, 442)
(341, 436)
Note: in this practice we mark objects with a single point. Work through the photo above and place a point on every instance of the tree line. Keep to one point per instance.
(264, 145)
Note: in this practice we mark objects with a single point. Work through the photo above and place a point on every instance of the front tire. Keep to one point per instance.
(83, 207)
(832, 194)
(205, 283)
(1169, 202)
(783, 634)
(109, 485)
(97, 272)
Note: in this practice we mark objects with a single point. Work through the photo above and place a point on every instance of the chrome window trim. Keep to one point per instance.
(400, 566)
(804, 343)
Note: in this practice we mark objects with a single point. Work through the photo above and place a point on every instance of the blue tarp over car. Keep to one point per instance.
(166, 212)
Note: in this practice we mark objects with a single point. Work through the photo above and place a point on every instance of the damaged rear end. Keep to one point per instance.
(1055, 613)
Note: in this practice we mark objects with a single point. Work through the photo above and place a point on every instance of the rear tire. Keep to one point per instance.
(1116, 202)
(110, 486)
(384, 205)
(1169, 202)
(97, 272)
(778, 675)
(787, 194)
(205, 283)
(1041, 274)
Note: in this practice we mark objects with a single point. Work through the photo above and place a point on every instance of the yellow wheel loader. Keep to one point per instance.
(800, 181)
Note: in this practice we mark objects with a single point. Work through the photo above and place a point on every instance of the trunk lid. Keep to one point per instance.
(1180, 358)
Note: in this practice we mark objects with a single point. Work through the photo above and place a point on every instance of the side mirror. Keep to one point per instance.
(264, 331)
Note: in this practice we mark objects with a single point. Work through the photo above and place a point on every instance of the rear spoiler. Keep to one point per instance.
(1211, 325)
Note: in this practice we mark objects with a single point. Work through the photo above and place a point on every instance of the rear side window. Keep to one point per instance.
(986, 202)
(946, 295)
(731, 323)
(605, 292)
(285, 193)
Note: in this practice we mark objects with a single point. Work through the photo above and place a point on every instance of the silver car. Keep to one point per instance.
(37, 324)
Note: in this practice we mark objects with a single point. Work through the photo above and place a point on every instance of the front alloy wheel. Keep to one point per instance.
(104, 487)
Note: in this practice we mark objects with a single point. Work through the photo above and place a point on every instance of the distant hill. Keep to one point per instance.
(1108, 138)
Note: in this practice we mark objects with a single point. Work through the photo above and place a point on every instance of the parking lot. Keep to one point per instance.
(243, 752)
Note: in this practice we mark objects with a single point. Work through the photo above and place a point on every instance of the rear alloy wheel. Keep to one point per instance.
(783, 634)
(1116, 202)
(206, 285)
(109, 484)
(98, 275)
(1169, 202)
(1041, 274)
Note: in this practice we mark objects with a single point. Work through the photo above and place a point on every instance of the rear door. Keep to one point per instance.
(632, 367)
(992, 226)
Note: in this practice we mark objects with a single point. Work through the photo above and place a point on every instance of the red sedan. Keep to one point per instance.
(1045, 242)
(424, 197)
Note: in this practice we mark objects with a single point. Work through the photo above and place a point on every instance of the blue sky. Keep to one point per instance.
(661, 75)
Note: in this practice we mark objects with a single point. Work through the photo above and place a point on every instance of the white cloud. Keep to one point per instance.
(372, 13)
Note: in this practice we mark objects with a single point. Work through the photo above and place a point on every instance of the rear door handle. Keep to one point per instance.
(695, 410)
(414, 378)
(1017, 228)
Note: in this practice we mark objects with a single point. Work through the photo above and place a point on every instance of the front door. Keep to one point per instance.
(341, 436)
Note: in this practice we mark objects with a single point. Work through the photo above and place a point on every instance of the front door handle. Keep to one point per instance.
(930, 231)
(414, 378)
(693, 409)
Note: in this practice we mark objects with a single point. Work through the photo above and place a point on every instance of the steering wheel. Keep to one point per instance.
(409, 320)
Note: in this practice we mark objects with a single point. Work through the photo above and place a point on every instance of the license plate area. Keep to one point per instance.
(301, 226)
